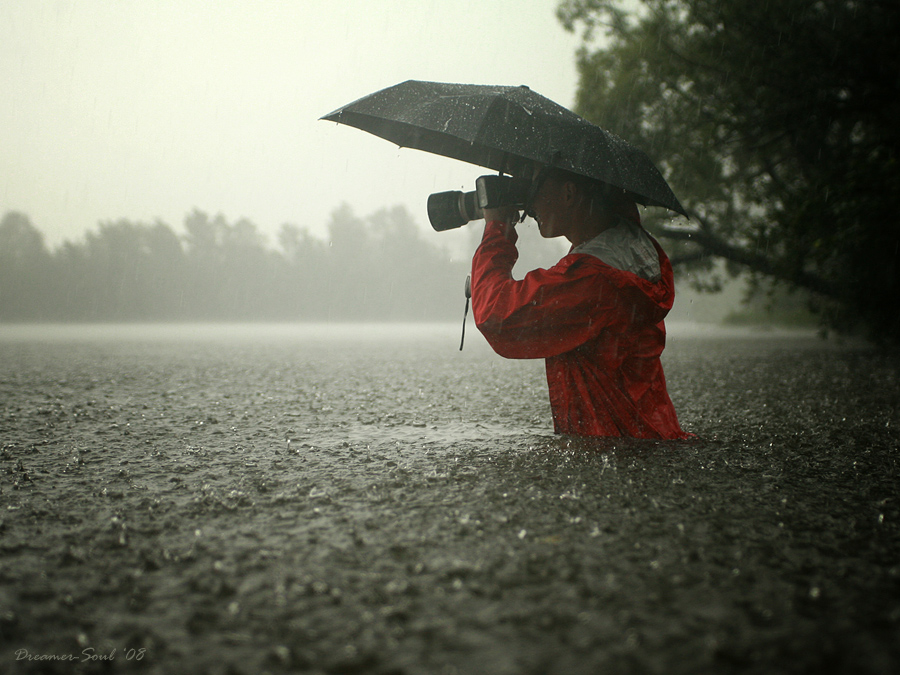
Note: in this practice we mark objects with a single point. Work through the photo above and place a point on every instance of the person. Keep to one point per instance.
(596, 317)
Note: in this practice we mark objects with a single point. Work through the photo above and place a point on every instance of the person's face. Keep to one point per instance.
(549, 208)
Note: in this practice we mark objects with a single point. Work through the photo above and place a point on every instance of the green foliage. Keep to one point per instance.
(775, 124)
(377, 268)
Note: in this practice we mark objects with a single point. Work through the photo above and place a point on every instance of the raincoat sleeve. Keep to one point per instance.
(547, 313)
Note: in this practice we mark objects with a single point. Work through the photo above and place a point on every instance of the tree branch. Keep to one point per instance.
(713, 245)
(687, 258)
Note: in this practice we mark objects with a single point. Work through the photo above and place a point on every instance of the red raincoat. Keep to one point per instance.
(599, 328)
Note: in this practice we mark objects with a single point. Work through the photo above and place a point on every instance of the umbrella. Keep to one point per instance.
(506, 129)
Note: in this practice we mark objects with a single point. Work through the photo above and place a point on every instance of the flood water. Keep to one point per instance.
(369, 499)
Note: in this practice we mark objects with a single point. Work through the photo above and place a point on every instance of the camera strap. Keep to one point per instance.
(462, 339)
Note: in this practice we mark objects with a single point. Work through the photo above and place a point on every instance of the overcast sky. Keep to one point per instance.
(146, 109)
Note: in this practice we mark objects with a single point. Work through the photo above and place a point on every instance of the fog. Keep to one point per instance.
(146, 111)
(128, 128)
(375, 267)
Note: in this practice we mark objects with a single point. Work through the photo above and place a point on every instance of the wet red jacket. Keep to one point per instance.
(599, 328)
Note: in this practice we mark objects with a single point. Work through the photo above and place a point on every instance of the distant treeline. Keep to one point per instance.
(377, 268)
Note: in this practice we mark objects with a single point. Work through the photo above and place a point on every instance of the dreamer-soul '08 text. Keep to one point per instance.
(88, 654)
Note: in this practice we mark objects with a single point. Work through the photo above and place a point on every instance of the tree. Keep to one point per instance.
(25, 269)
(124, 271)
(349, 268)
(302, 278)
(414, 278)
(232, 271)
(775, 124)
(375, 268)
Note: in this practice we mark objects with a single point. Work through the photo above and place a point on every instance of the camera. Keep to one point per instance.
(449, 210)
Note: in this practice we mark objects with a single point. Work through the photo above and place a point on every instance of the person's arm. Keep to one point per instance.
(549, 312)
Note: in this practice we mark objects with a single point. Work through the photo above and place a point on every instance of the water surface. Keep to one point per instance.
(369, 499)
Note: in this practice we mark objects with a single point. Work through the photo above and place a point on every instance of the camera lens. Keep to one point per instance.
(449, 210)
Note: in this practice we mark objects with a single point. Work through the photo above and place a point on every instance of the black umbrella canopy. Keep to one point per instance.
(507, 129)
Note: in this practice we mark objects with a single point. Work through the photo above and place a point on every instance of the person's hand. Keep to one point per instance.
(509, 216)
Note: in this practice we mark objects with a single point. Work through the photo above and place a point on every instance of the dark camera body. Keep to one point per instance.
(449, 210)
